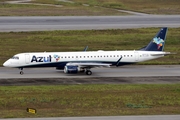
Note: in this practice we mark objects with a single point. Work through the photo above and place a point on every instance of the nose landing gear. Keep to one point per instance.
(21, 71)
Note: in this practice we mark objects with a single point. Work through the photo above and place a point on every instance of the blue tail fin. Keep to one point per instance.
(157, 43)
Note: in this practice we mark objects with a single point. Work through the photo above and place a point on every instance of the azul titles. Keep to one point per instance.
(41, 58)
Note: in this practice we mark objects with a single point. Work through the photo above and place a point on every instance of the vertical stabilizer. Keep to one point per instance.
(157, 43)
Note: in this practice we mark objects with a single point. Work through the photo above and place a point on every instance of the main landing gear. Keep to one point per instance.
(88, 72)
(21, 71)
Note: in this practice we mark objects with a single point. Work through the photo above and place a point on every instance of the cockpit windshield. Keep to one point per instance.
(15, 57)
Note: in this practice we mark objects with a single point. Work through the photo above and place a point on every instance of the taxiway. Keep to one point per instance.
(39, 23)
(123, 71)
(153, 117)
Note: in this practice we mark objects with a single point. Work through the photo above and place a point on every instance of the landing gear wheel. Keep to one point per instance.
(21, 72)
(88, 72)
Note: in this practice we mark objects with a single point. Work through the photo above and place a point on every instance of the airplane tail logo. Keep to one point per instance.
(157, 43)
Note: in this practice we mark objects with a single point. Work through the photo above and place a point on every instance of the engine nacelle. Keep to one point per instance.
(72, 69)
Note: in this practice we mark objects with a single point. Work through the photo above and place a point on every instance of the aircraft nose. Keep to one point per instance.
(6, 64)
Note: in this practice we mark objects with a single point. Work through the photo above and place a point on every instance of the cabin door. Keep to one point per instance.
(136, 54)
(27, 58)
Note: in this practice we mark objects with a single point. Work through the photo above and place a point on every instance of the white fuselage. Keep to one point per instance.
(54, 59)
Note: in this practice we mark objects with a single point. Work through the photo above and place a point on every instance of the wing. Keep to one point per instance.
(88, 65)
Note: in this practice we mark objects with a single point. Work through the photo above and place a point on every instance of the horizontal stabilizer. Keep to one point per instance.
(160, 54)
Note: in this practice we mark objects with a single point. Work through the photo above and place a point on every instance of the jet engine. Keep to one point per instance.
(72, 69)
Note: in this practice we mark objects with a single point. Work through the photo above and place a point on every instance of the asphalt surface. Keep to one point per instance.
(38, 23)
(133, 74)
(152, 117)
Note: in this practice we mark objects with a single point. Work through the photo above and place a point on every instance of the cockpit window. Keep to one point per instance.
(15, 57)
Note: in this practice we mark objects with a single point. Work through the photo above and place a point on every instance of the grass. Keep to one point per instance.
(126, 39)
(89, 7)
(89, 100)
(145, 6)
(68, 9)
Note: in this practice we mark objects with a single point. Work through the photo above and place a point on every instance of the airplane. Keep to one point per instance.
(83, 61)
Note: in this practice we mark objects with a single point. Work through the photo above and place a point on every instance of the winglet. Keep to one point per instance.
(85, 49)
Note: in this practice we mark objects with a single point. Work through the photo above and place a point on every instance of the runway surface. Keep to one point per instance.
(39, 23)
(123, 71)
(133, 74)
(153, 117)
